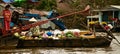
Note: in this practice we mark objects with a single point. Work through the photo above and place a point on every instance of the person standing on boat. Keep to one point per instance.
(7, 18)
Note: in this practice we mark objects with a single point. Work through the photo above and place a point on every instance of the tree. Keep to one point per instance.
(46, 5)
(19, 3)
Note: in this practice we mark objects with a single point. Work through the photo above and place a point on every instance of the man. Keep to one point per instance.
(15, 18)
(59, 23)
(7, 18)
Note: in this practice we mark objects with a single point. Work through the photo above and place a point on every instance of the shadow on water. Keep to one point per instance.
(60, 50)
(54, 50)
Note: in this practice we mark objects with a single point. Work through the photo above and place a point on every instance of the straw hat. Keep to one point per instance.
(32, 19)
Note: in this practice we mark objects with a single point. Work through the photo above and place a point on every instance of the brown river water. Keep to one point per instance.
(113, 49)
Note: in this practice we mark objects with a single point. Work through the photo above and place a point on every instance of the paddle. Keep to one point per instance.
(110, 34)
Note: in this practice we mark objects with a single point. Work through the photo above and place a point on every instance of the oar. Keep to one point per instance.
(110, 34)
(110, 40)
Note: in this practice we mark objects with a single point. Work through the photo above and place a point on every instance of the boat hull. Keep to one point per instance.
(73, 42)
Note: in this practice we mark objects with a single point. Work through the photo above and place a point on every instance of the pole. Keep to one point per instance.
(110, 34)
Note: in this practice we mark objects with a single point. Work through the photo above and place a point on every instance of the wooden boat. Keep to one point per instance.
(82, 41)
(98, 41)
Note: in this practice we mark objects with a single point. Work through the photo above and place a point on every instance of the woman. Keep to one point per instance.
(7, 18)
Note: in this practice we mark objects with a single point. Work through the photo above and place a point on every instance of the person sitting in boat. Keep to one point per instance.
(15, 17)
(58, 22)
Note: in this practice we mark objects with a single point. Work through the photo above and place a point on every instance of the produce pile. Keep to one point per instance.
(34, 34)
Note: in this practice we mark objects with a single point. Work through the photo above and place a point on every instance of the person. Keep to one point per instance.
(59, 23)
(15, 18)
(7, 18)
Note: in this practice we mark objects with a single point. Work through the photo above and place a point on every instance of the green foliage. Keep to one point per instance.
(73, 21)
(47, 5)
(75, 3)
(20, 0)
(23, 3)
(20, 3)
(114, 2)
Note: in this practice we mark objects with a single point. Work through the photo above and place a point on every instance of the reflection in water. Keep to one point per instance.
(113, 49)
(108, 50)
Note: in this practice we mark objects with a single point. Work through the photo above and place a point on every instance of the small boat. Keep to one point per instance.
(86, 40)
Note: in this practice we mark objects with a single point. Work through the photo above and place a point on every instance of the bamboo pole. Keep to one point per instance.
(110, 34)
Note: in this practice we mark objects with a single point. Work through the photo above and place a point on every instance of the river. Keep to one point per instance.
(113, 49)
